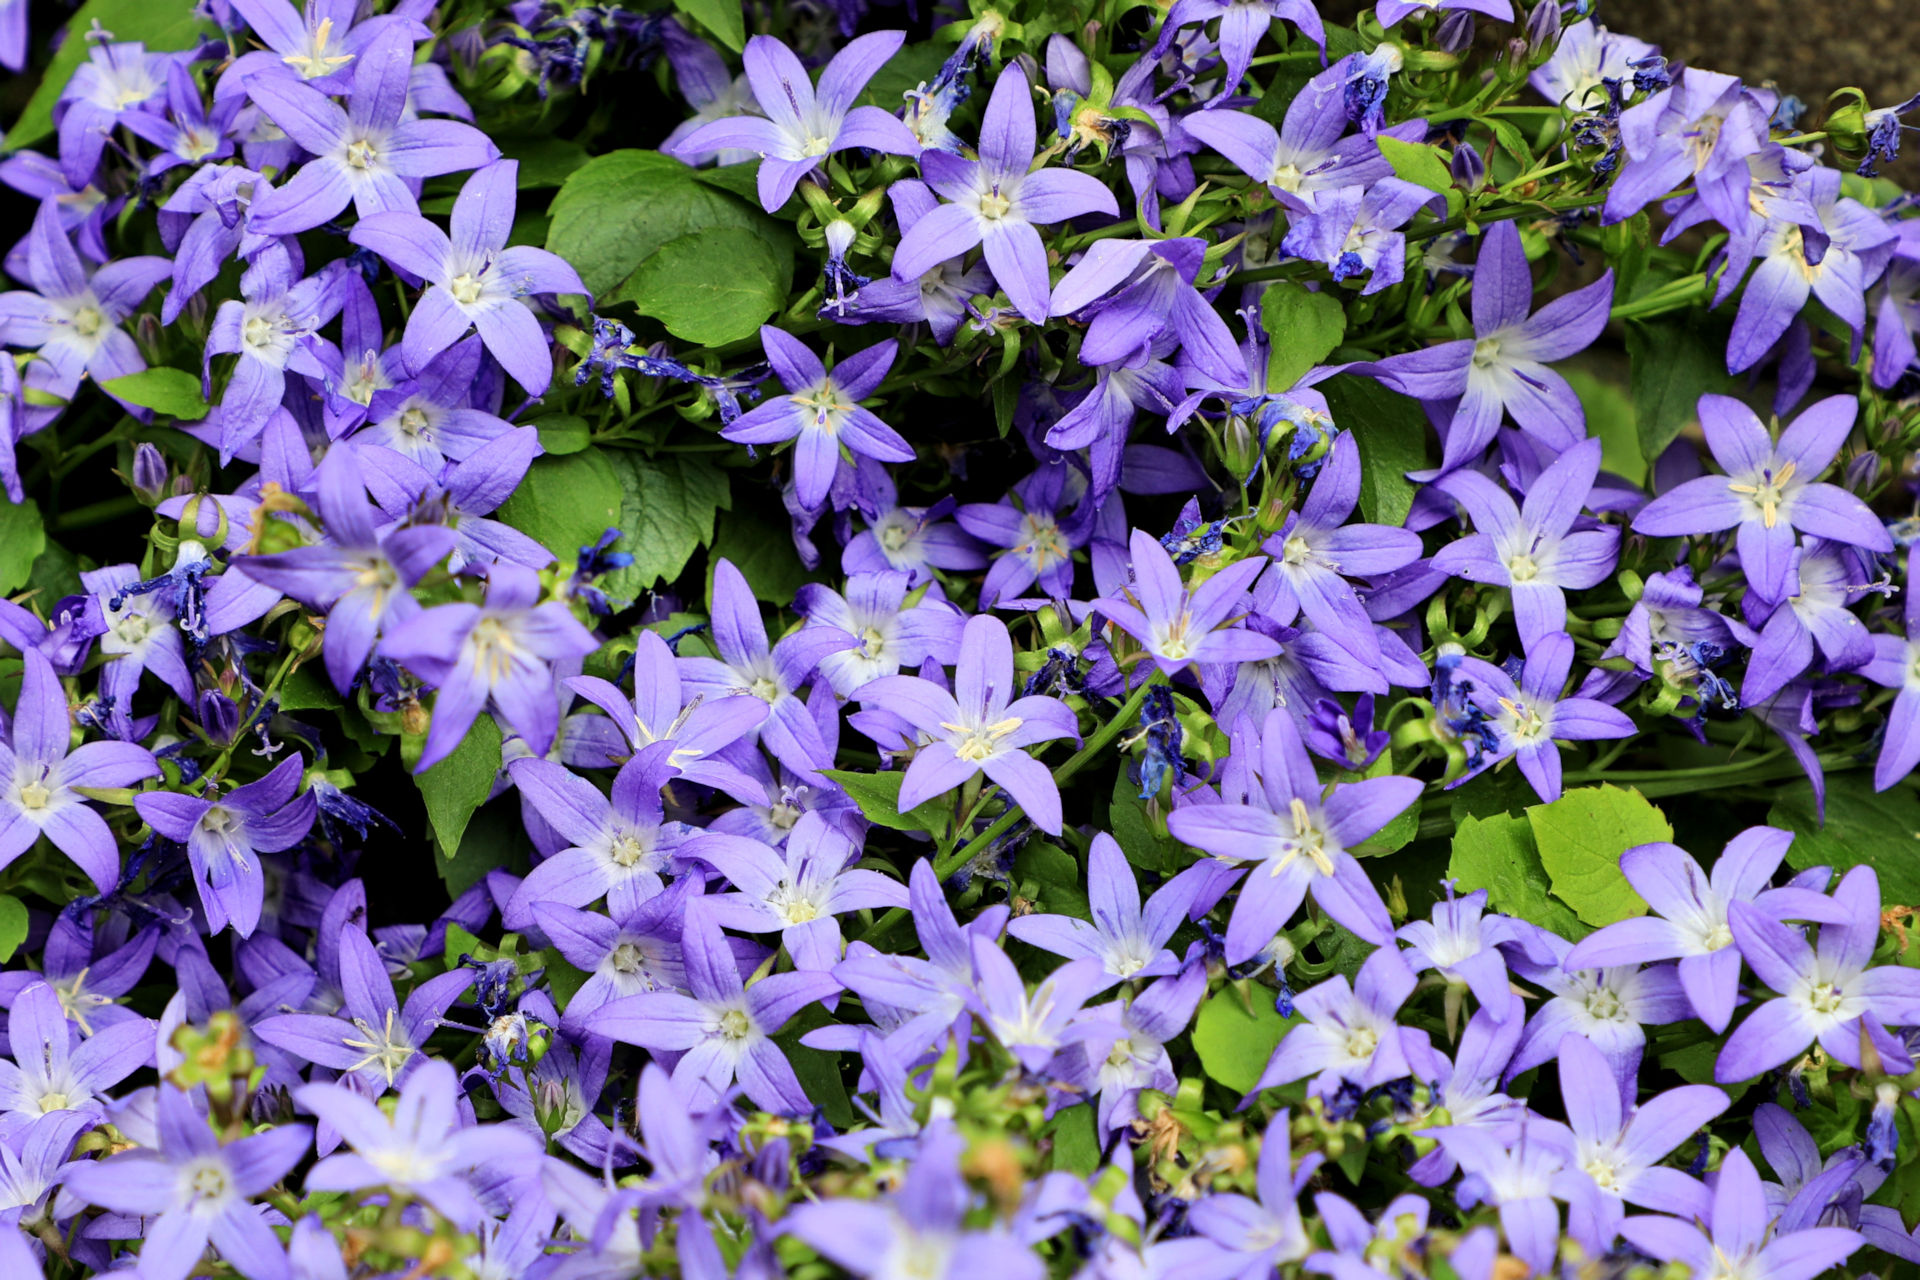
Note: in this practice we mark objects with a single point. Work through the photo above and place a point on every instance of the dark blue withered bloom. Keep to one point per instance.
(1348, 740)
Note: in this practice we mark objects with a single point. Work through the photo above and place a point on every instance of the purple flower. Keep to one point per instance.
(1691, 923)
(1311, 153)
(1235, 1235)
(1034, 525)
(494, 654)
(190, 1191)
(73, 318)
(821, 412)
(1130, 943)
(368, 155)
(1532, 716)
(1241, 27)
(938, 296)
(1858, 245)
(422, 1148)
(1738, 1243)
(1462, 945)
(1350, 1036)
(796, 891)
(373, 1037)
(1468, 1089)
(771, 674)
(980, 727)
(1608, 1006)
(118, 77)
(1032, 1025)
(1769, 490)
(1317, 550)
(616, 849)
(1352, 230)
(361, 580)
(1530, 549)
(1620, 1149)
(919, 1228)
(1130, 1053)
(49, 1074)
(1828, 579)
(890, 634)
(1503, 367)
(722, 1029)
(1822, 989)
(634, 953)
(225, 834)
(659, 712)
(1297, 841)
(1520, 1177)
(1179, 627)
(316, 44)
(38, 774)
(1587, 56)
(1668, 623)
(804, 125)
(1134, 293)
(1349, 741)
(1701, 129)
(273, 327)
(474, 280)
(710, 89)
(997, 204)
(1896, 665)
(1391, 12)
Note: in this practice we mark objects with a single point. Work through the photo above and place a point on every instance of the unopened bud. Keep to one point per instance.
(1543, 28)
(1469, 170)
(1455, 34)
(149, 474)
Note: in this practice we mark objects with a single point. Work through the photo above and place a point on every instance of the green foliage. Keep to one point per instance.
(1580, 838)
(567, 502)
(174, 392)
(1676, 360)
(1392, 433)
(1304, 327)
(679, 286)
(1236, 1034)
(1864, 828)
(459, 784)
(161, 27)
(13, 925)
(672, 497)
(23, 536)
(1497, 854)
(762, 550)
(621, 208)
(723, 18)
(878, 795)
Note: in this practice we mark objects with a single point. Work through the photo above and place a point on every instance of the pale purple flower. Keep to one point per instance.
(1532, 716)
(1503, 367)
(1896, 665)
(225, 833)
(115, 79)
(1131, 1051)
(697, 728)
(1740, 1241)
(496, 654)
(1129, 942)
(1822, 988)
(1587, 56)
(1828, 580)
(626, 955)
(50, 1074)
(369, 154)
(1467, 1088)
(796, 891)
(821, 412)
(1238, 1236)
(722, 1029)
(1691, 921)
(803, 125)
(1355, 230)
(1032, 1025)
(1242, 25)
(1037, 529)
(1179, 627)
(1297, 841)
(713, 92)
(1319, 548)
(315, 44)
(1521, 1178)
(891, 633)
(938, 296)
(1608, 1006)
(997, 203)
(1350, 1036)
(190, 1191)
(1134, 293)
(423, 1148)
(1532, 549)
(1461, 943)
(38, 774)
(980, 727)
(1701, 129)
(273, 326)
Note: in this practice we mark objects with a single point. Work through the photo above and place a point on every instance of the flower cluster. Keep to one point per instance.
(1040, 645)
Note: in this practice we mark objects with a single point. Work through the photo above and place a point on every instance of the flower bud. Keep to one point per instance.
(1543, 29)
(149, 474)
(219, 717)
(1469, 170)
(1456, 31)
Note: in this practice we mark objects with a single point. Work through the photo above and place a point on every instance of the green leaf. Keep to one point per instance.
(564, 980)
(13, 925)
(567, 502)
(1305, 328)
(1235, 1045)
(1392, 433)
(667, 509)
(174, 392)
(1146, 846)
(459, 784)
(724, 18)
(308, 689)
(23, 536)
(1581, 836)
(545, 160)
(496, 841)
(681, 288)
(915, 65)
(1610, 416)
(1676, 360)
(563, 433)
(1497, 854)
(1075, 1140)
(762, 550)
(163, 28)
(619, 209)
(459, 943)
(1053, 877)
(878, 795)
(1418, 163)
(1864, 828)
(818, 1069)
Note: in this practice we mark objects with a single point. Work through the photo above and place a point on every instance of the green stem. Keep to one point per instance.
(96, 513)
